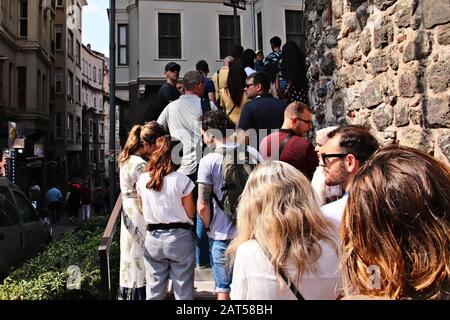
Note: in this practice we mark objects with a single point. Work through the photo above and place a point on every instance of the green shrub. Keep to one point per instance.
(45, 276)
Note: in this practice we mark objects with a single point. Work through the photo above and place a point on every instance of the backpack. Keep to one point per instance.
(235, 175)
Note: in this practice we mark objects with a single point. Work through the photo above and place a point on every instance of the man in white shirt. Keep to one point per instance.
(345, 151)
(181, 118)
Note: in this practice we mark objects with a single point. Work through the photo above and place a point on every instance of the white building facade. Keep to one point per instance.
(151, 33)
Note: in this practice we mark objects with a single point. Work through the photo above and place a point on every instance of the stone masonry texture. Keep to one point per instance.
(383, 64)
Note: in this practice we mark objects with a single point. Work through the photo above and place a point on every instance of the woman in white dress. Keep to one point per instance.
(132, 162)
(282, 239)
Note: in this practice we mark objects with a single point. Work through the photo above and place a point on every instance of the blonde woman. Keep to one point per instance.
(280, 231)
(132, 164)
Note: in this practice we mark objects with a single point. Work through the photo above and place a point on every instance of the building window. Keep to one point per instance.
(78, 130)
(70, 127)
(58, 125)
(58, 37)
(91, 128)
(59, 3)
(101, 130)
(77, 54)
(38, 90)
(123, 44)
(226, 35)
(22, 87)
(1, 80)
(59, 79)
(100, 78)
(294, 27)
(94, 74)
(77, 90)
(260, 31)
(169, 32)
(70, 84)
(70, 43)
(23, 18)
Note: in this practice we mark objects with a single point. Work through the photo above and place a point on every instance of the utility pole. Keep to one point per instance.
(235, 4)
(112, 103)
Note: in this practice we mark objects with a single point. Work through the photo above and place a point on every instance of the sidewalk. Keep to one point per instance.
(203, 286)
(62, 227)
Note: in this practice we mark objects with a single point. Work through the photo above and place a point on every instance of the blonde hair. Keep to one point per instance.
(278, 208)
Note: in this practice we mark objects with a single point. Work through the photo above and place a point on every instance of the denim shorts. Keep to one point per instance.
(221, 271)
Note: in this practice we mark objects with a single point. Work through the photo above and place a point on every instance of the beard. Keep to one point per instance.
(337, 177)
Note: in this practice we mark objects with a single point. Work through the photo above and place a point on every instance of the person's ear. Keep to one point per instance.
(351, 163)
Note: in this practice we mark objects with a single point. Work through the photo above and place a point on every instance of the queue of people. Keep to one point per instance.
(226, 178)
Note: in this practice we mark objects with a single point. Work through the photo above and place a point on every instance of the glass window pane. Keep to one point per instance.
(24, 207)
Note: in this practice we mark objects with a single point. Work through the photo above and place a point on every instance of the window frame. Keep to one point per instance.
(121, 46)
(228, 37)
(21, 19)
(174, 37)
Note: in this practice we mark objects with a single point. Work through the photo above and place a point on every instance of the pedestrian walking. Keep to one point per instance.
(132, 162)
(86, 201)
(54, 198)
(168, 207)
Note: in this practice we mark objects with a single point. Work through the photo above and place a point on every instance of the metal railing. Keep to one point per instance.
(103, 250)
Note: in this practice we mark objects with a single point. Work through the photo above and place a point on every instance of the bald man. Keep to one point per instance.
(289, 144)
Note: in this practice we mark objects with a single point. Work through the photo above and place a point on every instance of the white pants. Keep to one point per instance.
(85, 211)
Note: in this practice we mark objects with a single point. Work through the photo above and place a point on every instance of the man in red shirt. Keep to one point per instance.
(86, 201)
(289, 144)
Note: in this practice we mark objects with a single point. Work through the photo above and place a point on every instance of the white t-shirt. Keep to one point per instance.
(335, 210)
(254, 276)
(210, 173)
(165, 206)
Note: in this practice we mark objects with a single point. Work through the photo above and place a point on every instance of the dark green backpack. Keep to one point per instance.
(237, 164)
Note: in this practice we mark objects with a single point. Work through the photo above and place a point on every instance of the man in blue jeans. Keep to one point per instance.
(217, 129)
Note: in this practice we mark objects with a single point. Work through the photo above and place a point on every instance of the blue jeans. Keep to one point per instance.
(201, 238)
(222, 273)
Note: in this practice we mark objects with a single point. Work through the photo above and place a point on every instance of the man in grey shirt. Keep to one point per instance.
(182, 119)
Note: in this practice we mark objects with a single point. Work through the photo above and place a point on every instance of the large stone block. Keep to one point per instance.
(328, 64)
(372, 94)
(349, 23)
(438, 76)
(418, 48)
(338, 8)
(377, 62)
(415, 138)
(407, 84)
(443, 34)
(331, 37)
(352, 52)
(393, 57)
(383, 4)
(403, 14)
(435, 12)
(438, 112)
(382, 117)
(383, 32)
(365, 40)
(401, 112)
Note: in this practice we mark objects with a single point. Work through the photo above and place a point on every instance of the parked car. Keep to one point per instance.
(22, 233)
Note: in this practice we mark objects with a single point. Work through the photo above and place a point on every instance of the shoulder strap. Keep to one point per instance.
(285, 278)
(284, 142)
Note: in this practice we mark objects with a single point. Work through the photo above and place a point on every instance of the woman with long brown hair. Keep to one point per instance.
(165, 196)
(132, 164)
(396, 228)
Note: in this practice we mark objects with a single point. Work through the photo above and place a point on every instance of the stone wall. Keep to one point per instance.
(385, 64)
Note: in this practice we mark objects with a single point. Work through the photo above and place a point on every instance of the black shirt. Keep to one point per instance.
(169, 91)
(264, 112)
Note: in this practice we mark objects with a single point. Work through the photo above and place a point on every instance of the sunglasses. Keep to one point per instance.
(250, 84)
(303, 120)
(325, 156)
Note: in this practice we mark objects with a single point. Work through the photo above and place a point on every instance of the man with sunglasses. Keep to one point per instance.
(169, 89)
(345, 151)
(264, 112)
(289, 144)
